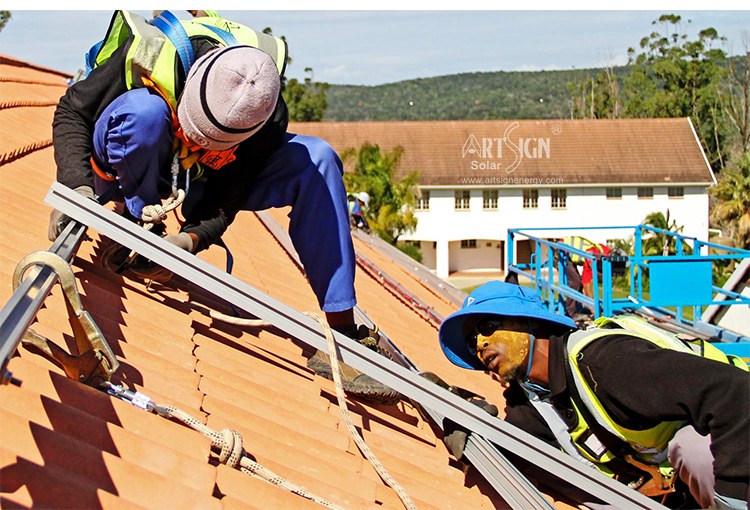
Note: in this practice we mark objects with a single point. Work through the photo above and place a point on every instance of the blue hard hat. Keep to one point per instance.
(496, 298)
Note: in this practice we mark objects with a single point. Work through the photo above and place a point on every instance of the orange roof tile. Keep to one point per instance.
(65, 444)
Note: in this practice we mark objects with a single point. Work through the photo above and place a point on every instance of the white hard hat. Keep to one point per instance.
(364, 197)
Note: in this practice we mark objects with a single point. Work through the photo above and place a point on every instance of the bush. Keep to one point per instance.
(411, 250)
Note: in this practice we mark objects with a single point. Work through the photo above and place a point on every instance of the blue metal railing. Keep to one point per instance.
(683, 278)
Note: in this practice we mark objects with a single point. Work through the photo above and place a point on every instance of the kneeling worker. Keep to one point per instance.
(637, 404)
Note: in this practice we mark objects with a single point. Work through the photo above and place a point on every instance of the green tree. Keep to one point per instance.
(4, 19)
(391, 209)
(596, 97)
(306, 101)
(674, 76)
(735, 98)
(661, 243)
(731, 208)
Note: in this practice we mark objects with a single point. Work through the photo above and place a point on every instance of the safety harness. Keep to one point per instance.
(638, 458)
(151, 61)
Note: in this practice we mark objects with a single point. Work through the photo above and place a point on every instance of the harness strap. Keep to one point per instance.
(226, 36)
(625, 460)
(175, 32)
(613, 443)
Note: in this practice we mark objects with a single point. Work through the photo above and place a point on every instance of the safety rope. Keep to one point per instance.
(229, 442)
(340, 397)
(157, 213)
(358, 440)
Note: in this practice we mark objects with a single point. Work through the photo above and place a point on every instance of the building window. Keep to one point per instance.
(646, 192)
(489, 199)
(559, 198)
(423, 201)
(462, 200)
(675, 192)
(468, 243)
(418, 244)
(614, 193)
(530, 198)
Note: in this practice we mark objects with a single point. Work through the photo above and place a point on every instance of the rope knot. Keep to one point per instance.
(230, 442)
(153, 214)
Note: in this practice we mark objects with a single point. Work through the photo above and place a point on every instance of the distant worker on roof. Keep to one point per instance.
(357, 203)
(197, 105)
(634, 402)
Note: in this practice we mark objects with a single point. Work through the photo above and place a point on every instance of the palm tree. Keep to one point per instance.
(731, 210)
(391, 211)
(660, 243)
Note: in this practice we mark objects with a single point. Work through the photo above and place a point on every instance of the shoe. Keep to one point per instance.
(355, 383)
(115, 258)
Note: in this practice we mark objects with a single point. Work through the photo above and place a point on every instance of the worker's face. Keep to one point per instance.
(501, 344)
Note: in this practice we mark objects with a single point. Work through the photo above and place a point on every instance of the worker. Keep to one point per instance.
(357, 203)
(577, 311)
(587, 274)
(145, 118)
(637, 404)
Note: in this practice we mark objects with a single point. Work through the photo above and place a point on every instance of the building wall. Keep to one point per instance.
(585, 207)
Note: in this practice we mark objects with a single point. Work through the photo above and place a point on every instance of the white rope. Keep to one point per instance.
(358, 440)
(340, 396)
(157, 213)
(229, 442)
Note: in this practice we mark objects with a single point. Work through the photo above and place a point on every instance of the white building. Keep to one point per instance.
(480, 178)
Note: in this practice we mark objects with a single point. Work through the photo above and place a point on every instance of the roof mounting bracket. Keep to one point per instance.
(95, 361)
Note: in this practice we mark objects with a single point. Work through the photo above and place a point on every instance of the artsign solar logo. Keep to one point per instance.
(505, 152)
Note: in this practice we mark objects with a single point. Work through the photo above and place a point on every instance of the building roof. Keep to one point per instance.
(64, 444)
(515, 152)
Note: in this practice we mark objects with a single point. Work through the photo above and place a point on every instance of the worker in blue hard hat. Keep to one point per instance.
(634, 402)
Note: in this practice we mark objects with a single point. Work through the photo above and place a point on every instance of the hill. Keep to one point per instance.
(479, 95)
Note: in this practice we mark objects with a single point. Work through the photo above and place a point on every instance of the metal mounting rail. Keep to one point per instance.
(508, 482)
(434, 283)
(306, 329)
(21, 309)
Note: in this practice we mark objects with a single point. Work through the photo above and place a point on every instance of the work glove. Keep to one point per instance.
(58, 221)
(455, 435)
(183, 240)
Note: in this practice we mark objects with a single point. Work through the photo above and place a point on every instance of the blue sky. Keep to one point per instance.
(383, 46)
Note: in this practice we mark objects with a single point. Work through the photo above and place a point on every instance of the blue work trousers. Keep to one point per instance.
(133, 141)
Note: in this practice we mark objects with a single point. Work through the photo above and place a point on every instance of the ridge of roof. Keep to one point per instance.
(12, 61)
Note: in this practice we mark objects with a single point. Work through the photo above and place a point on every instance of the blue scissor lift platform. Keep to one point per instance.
(660, 287)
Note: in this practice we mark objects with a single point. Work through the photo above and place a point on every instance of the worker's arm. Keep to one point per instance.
(227, 190)
(73, 124)
(641, 384)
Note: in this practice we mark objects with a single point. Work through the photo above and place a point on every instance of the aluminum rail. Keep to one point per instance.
(306, 329)
(508, 482)
(21, 309)
(436, 284)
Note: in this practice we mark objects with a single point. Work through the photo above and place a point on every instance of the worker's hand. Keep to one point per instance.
(183, 240)
(455, 436)
(58, 221)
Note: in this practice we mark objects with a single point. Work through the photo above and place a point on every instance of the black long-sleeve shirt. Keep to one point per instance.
(226, 189)
(640, 385)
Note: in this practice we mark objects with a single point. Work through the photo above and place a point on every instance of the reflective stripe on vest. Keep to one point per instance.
(152, 54)
(650, 443)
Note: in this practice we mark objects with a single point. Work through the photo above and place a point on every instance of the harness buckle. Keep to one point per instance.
(661, 479)
(95, 361)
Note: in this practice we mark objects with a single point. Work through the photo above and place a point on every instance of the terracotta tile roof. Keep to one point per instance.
(63, 444)
(626, 151)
